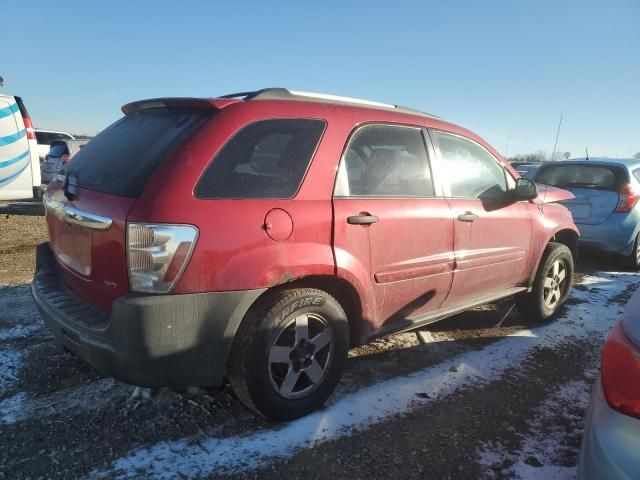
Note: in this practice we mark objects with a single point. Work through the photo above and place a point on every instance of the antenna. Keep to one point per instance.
(553, 155)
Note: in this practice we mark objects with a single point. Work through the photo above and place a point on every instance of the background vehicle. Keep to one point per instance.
(198, 239)
(60, 153)
(46, 137)
(605, 205)
(19, 164)
(528, 170)
(612, 433)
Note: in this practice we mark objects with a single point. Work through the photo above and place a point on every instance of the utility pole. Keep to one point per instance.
(553, 155)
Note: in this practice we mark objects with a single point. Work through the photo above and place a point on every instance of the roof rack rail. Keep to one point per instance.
(286, 94)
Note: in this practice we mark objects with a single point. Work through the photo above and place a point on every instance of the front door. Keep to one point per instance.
(392, 236)
(492, 233)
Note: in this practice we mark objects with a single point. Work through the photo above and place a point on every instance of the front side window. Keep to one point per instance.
(266, 159)
(469, 171)
(385, 161)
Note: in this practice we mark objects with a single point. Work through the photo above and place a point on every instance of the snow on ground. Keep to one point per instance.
(544, 453)
(590, 316)
(91, 396)
(10, 363)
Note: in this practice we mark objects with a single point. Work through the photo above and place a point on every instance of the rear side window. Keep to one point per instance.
(636, 173)
(266, 159)
(385, 161)
(58, 149)
(121, 159)
(579, 176)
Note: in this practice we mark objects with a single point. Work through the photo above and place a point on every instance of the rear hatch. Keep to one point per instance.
(596, 188)
(88, 207)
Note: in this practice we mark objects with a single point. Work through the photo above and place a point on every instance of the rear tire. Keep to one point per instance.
(632, 261)
(289, 353)
(551, 286)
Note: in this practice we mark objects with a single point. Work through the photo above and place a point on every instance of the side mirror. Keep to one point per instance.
(525, 189)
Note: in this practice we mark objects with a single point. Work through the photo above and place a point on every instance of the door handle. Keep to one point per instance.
(468, 217)
(364, 219)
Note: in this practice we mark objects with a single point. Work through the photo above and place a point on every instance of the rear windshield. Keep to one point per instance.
(58, 149)
(580, 176)
(266, 159)
(121, 159)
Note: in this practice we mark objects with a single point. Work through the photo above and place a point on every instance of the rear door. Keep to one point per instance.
(492, 235)
(15, 156)
(596, 188)
(86, 215)
(392, 234)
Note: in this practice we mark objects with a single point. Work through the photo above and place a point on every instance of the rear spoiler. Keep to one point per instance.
(177, 102)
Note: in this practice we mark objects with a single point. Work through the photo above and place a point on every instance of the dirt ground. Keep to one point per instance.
(18, 236)
(468, 399)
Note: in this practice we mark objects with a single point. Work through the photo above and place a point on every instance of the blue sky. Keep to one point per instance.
(505, 69)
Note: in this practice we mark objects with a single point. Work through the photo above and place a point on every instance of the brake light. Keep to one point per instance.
(64, 158)
(621, 372)
(157, 255)
(628, 199)
(31, 133)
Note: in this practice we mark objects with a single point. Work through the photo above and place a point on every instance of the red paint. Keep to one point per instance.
(417, 258)
(278, 225)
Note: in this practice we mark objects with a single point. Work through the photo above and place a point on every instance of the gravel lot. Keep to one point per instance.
(473, 401)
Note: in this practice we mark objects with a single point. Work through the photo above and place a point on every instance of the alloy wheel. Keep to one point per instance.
(300, 355)
(555, 284)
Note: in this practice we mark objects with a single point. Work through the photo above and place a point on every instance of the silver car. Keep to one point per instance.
(611, 444)
(61, 152)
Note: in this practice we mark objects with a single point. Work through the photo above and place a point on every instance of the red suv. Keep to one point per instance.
(255, 237)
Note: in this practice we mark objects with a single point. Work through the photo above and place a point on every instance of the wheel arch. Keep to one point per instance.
(569, 238)
(342, 290)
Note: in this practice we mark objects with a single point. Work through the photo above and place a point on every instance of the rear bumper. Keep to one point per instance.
(147, 340)
(611, 443)
(615, 235)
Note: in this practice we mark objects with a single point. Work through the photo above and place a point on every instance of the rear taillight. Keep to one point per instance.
(31, 134)
(621, 372)
(157, 255)
(64, 158)
(629, 196)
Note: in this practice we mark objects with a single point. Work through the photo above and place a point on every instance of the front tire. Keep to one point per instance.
(289, 353)
(551, 287)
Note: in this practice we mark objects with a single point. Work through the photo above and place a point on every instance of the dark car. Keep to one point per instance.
(60, 152)
(257, 236)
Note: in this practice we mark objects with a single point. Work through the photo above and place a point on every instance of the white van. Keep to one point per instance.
(19, 162)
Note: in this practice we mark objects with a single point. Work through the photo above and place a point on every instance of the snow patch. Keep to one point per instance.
(20, 331)
(10, 362)
(367, 406)
(92, 396)
(547, 452)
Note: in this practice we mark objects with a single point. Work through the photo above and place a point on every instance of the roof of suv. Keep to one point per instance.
(283, 95)
(273, 94)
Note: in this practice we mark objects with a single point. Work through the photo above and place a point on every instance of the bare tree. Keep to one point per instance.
(1, 81)
(537, 157)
